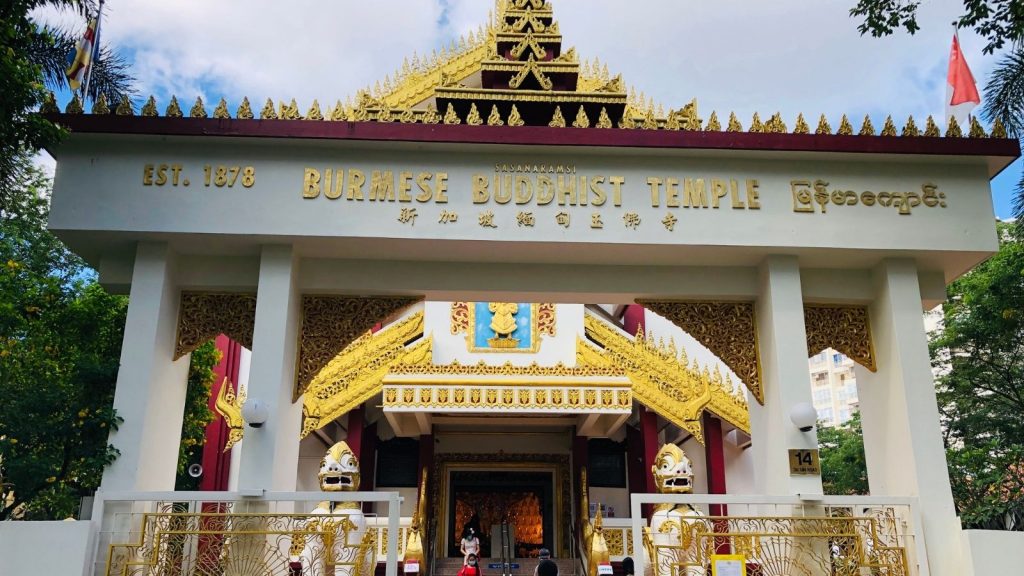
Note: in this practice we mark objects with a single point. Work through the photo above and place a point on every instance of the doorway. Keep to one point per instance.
(484, 499)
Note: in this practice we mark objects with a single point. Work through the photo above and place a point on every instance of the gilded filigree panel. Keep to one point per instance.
(204, 315)
(503, 326)
(843, 328)
(330, 323)
(727, 329)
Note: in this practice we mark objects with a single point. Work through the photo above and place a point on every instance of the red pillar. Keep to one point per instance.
(427, 461)
(580, 459)
(714, 459)
(633, 319)
(649, 450)
(368, 462)
(354, 437)
(217, 463)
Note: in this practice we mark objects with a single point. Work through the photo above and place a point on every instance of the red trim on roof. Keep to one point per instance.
(534, 135)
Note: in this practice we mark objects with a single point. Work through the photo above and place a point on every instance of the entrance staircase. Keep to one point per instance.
(451, 567)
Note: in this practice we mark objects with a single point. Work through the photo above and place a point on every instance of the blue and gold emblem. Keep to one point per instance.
(503, 326)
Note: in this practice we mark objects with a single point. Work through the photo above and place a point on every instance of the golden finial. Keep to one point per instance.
(627, 121)
(931, 129)
(801, 125)
(173, 109)
(845, 128)
(976, 130)
(74, 106)
(221, 111)
(244, 111)
(494, 118)
(998, 130)
(650, 122)
(430, 116)
(100, 105)
(603, 120)
(581, 121)
(450, 117)
(755, 125)
(473, 118)
(290, 112)
(49, 105)
(514, 119)
(953, 129)
(314, 111)
(149, 108)
(910, 128)
(867, 128)
(713, 124)
(198, 110)
(734, 123)
(557, 120)
(775, 125)
(384, 114)
(672, 122)
(125, 107)
(823, 126)
(268, 111)
(888, 129)
(407, 116)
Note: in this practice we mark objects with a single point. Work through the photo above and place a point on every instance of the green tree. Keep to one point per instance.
(979, 355)
(843, 467)
(197, 413)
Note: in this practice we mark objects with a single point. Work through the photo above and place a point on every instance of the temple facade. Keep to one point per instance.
(503, 291)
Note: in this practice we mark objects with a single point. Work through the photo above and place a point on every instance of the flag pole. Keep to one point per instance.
(95, 53)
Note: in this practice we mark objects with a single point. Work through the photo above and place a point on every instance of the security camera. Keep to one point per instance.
(195, 470)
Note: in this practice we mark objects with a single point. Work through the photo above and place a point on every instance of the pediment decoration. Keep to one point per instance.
(727, 329)
(332, 323)
(204, 315)
(843, 328)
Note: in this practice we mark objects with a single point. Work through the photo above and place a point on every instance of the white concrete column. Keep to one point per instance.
(270, 454)
(902, 438)
(785, 378)
(150, 393)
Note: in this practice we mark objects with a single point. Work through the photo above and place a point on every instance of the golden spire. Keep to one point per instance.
(976, 130)
(125, 107)
(557, 120)
(953, 129)
(384, 114)
(221, 111)
(450, 117)
(910, 128)
(337, 113)
(823, 126)
(173, 109)
(198, 110)
(74, 106)
(514, 119)
(755, 125)
(931, 129)
(407, 116)
(888, 129)
(149, 108)
(734, 123)
(581, 120)
(494, 118)
(775, 125)
(100, 105)
(672, 122)
(713, 124)
(801, 125)
(627, 120)
(431, 116)
(845, 128)
(474, 119)
(998, 130)
(290, 112)
(867, 128)
(268, 111)
(314, 112)
(650, 122)
(244, 111)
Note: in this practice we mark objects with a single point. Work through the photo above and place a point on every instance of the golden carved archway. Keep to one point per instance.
(843, 328)
(204, 315)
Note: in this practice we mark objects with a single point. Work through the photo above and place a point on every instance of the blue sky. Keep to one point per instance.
(788, 56)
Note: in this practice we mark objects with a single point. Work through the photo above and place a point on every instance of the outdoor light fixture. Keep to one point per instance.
(804, 416)
(255, 412)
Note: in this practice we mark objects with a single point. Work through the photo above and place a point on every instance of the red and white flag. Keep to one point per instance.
(961, 89)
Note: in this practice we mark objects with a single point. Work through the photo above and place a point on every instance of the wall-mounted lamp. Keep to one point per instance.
(255, 412)
(804, 416)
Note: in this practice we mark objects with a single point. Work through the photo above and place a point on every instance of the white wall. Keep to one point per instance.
(617, 498)
(515, 443)
(739, 470)
(992, 553)
(51, 548)
(695, 452)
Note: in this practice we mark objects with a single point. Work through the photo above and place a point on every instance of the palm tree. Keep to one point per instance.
(1004, 100)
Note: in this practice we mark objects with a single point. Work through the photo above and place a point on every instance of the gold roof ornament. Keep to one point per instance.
(494, 118)
(845, 128)
(430, 116)
(998, 130)
(514, 119)
(450, 117)
(910, 129)
(627, 122)
(672, 122)
(755, 125)
(384, 114)
(100, 105)
(149, 108)
(557, 121)
(824, 127)
(244, 111)
(337, 113)
(581, 120)
(290, 112)
(775, 125)
(198, 110)
(173, 109)
(888, 129)
(976, 130)
(603, 120)
(268, 113)
(713, 124)
(221, 111)
(953, 129)
(74, 106)
(229, 406)
(49, 105)
(473, 118)
(650, 122)
(125, 107)
(734, 123)
(407, 116)
(801, 125)
(931, 129)
(867, 128)
(314, 111)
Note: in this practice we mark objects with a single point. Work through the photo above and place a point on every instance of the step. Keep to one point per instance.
(526, 566)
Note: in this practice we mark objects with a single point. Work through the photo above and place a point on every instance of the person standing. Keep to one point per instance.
(470, 545)
(546, 566)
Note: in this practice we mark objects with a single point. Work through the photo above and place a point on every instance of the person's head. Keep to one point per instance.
(471, 560)
(545, 553)
(627, 566)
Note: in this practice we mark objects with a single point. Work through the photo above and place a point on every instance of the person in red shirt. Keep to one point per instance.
(471, 568)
